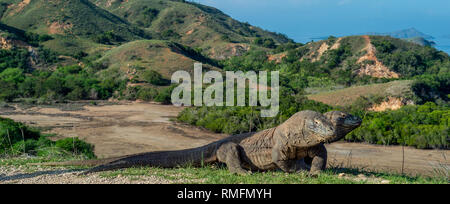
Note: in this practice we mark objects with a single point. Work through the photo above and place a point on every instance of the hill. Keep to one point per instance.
(165, 57)
(206, 28)
(374, 56)
(74, 24)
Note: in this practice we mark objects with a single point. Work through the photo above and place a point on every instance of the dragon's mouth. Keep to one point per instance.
(352, 122)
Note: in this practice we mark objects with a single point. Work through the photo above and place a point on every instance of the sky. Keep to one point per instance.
(302, 20)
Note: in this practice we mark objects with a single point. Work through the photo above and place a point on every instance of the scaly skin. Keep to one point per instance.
(316, 157)
(302, 136)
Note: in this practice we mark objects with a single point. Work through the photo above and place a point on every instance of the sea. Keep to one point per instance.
(442, 43)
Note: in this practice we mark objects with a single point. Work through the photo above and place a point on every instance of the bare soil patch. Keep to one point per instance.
(374, 67)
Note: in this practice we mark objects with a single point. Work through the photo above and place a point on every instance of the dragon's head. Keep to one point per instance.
(307, 128)
(319, 128)
(343, 123)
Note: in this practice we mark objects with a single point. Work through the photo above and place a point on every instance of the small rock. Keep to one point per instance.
(385, 182)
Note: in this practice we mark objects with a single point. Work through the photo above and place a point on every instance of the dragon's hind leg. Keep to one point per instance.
(228, 153)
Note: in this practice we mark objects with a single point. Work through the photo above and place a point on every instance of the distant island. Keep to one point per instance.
(405, 34)
(411, 35)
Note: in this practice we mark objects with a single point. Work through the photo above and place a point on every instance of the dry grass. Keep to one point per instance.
(347, 96)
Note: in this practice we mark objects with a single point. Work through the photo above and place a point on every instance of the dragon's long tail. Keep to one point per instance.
(166, 159)
(89, 163)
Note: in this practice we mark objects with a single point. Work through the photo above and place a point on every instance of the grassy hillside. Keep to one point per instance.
(375, 56)
(76, 17)
(195, 25)
(165, 57)
(348, 96)
(75, 25)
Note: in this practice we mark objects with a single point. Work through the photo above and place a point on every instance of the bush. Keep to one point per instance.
(434, 88)
(76, 146)
(14, 58)
(154, 78)
(12, 132)
(16, 138)
(147, 94)
(69, 82)
(165, 96)
(425, 126)
(146, 16)
(169, 34)
(107, 38)
(266, 42)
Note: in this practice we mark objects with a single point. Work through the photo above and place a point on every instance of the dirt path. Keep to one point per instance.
(131, 128)
(376, 68)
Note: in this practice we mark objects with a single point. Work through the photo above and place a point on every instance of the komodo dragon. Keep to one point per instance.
(302, 136)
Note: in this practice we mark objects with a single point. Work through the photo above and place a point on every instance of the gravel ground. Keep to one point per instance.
(22, 175)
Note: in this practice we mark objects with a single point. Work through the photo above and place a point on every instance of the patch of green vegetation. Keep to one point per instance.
(410, 59)
(150, 94)
(76, 146)
(16, 139)
(65, 83)
(267, 42)
(14, 58)
(147, 94)
(155, 78)
(108, 38)
(424, 126)
(435, 88)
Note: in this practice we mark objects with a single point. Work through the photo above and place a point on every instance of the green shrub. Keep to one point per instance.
(433, 88)
(69, 82)
(147, 94)
(76, 146)
(107, 38)
(425, 126)
(265, 42)
(154, 78)
(169, 34)
(13, 58)
(12, 132)
(165, 95)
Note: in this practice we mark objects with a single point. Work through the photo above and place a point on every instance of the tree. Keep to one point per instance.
(154, 78)
(12, 75)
